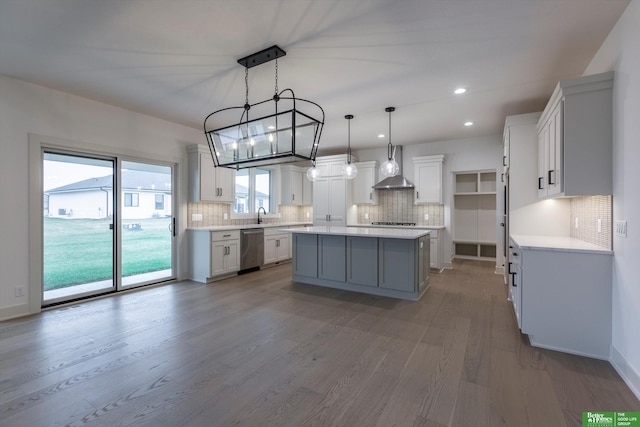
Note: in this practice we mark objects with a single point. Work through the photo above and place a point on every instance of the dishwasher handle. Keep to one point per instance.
(252, 231)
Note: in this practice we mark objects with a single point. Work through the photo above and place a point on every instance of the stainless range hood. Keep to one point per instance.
(397, 181)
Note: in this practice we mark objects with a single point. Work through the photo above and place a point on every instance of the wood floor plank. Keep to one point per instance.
(259, 349)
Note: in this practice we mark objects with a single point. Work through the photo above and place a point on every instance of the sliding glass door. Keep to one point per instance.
(78, 226)
(147, 223)
(108, 225)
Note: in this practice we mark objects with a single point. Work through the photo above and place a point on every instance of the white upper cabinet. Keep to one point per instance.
(367, 177)
(575, 137)
(520, 149)
(208, 183)
(332, 193)
(296, 188)
(428, 179)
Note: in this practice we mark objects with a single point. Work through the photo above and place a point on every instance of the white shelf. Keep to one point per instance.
(474, 210)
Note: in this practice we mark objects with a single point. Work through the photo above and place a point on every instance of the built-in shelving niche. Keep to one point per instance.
(474, 210)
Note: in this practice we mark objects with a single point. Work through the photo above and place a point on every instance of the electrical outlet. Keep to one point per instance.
(226, 216)
(366, 215)
(576, 226)
(426, 217)
(308, 215)
(196, 217)
(599, 225)
(19, 291)
(621, 228)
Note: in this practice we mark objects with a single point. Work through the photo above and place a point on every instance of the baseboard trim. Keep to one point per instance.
(626, 371)
(14, 311)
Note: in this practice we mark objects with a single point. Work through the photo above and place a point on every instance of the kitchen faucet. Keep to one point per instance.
(263, 210)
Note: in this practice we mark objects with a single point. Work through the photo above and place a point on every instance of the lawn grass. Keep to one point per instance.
(78, 251)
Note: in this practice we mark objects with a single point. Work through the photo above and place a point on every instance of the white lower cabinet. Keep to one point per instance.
(213, 254)
(225, 252)
(562, 298)
(277, 246)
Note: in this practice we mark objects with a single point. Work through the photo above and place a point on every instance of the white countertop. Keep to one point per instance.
(395, 233)
(245, 226)
(404, 227)
(557, 243)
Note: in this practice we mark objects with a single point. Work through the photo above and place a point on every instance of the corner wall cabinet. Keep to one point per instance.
(575, 137)
(367, 177)
(474, 225)
(208, 183)
(428, 179)
(332, 194)
(296, 188)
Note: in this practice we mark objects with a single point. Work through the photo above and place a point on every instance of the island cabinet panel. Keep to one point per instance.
(362, 261)
(331, 258)
(376, 261)
(305, 255)
(397, 264)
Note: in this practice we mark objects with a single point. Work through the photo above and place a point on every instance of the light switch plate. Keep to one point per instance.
(621, 229)
(196, 217)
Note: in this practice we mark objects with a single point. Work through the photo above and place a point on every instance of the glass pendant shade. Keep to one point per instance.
(349, 171)
(313, 174)
(389, 168)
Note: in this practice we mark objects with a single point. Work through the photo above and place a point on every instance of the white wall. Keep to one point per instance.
(460, 155)
(27, 108)
(620, 53)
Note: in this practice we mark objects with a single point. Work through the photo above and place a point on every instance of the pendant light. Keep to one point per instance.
(389, 167)
(349, 170)
(282, 129)
(313, 174)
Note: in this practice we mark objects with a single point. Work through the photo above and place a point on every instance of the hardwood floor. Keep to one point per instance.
(259, 350)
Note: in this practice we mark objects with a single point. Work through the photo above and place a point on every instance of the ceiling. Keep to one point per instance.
(177, 60)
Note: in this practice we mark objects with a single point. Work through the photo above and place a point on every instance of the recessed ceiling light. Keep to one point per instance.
(468, 123)
(460, 90)
(381, 135)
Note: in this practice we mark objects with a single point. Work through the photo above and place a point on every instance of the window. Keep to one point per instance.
(159, 202)
(253, 190)
(131, 199)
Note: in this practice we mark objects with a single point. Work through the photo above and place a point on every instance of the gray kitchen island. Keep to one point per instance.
(386, 262)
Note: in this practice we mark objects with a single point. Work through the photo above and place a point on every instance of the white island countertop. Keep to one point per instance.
(394, 233)
(245, 226)
(557, 243)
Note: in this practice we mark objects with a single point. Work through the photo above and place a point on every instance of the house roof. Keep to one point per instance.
(131, 180)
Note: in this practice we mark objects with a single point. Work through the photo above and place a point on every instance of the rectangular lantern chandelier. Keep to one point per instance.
(278, 130)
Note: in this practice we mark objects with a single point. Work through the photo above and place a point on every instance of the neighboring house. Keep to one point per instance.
(242, 196)
(144, 195)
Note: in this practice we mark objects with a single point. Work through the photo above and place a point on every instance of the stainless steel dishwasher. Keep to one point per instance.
(251, 248)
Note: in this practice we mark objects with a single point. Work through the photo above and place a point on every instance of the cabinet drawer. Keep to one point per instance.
(273, 231)
(217, 236)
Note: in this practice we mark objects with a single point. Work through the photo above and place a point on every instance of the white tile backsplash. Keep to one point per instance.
(398, 206)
